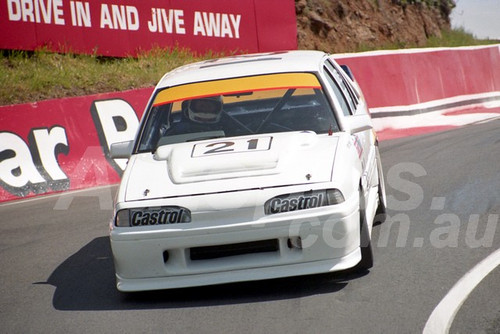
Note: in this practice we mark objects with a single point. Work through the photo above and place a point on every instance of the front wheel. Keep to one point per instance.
(381, 214)
(365, 240)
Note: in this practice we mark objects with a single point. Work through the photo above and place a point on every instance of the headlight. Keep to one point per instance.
(334, 196)
(152, 216)
(303, 200)
(122, 218)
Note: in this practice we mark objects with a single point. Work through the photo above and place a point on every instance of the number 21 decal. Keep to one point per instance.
(233, 146)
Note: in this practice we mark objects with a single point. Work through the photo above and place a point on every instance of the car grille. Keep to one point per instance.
(215, 252)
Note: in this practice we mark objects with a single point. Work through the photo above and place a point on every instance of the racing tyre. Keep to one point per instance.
(381, 214)
(365, 240)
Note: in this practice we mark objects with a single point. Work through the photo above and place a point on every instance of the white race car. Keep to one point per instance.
(246, 168)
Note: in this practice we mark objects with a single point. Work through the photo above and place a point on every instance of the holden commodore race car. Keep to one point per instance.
(247, 168)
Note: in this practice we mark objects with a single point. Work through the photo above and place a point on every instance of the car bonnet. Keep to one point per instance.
(231, 164)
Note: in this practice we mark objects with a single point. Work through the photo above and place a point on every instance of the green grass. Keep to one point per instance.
(457, 37)
(448, 38)
(39, 75)
(34, 76)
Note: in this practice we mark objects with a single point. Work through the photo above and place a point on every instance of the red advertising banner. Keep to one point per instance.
(60, 145)
(125, 27)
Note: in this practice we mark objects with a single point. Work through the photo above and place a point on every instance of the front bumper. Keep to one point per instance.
(310, 241)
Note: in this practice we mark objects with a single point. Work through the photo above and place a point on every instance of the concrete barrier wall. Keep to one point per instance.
(60, 145)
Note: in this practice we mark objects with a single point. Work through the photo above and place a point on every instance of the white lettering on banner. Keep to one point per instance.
(125, 17)
(14, 10)
(115, 121)
(48, 11)
(132, 18)
(160, 20)
(80, 14)
(47, 144)
(34, 167)
(16, 164)
(121, 17)
(216, 25)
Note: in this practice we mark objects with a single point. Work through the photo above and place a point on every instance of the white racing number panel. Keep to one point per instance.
(232, 146)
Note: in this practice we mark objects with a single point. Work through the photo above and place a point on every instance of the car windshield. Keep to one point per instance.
(237, 107)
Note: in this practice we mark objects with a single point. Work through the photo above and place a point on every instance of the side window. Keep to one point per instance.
(354, 92)
(338, 93)
(344, 86)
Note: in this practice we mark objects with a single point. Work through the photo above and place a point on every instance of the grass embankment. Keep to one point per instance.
(34, 76)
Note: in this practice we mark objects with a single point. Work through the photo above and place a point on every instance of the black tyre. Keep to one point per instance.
(381, 214)
(365, 239)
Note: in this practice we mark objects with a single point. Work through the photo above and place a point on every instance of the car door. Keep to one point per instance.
(354, 109)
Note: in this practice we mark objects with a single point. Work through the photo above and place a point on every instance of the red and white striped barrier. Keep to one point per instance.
(63, 144)
(416, 91)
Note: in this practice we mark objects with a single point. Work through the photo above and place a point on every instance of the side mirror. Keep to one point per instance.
(358, 123)
(122, 150)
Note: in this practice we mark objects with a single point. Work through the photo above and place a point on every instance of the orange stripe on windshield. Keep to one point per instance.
(237, 85)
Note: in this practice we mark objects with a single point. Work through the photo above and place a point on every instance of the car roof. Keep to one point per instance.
(244, 65)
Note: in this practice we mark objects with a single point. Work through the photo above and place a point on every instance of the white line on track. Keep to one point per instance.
(442, 317)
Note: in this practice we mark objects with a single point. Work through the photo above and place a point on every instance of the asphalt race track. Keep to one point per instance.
(444, 199)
